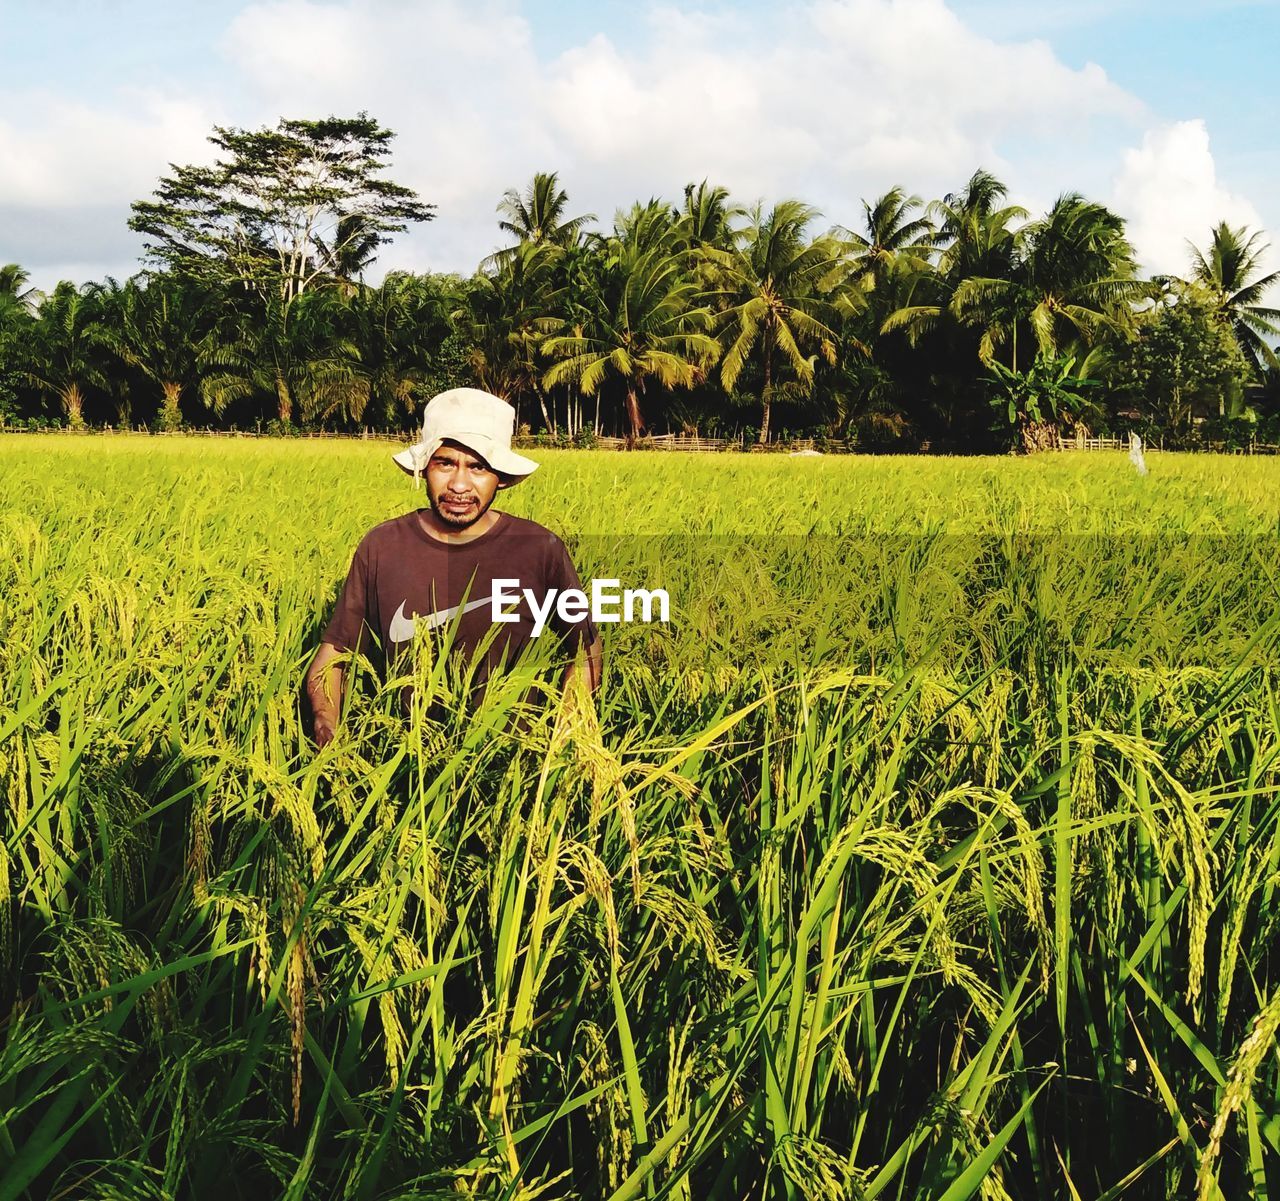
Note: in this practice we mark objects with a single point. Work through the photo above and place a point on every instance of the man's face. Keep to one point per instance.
(460, 485)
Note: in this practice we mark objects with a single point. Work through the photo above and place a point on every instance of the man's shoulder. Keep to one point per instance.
(392, 530)
(532, 534)
(523, 527)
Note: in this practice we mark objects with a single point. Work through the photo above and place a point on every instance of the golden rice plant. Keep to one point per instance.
(931, 851)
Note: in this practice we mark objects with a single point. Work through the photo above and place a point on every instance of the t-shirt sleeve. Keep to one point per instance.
(562, 575)
(351, 613)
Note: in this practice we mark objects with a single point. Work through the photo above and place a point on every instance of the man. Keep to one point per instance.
(435, 567)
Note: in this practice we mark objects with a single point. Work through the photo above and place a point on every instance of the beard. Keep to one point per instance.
(459, 519)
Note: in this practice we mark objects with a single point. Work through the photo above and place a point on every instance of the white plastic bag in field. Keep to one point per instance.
(1135, 454)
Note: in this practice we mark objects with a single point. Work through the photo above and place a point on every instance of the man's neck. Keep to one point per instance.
(443, 532)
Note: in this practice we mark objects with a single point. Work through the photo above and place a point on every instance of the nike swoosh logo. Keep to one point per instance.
(402, 627)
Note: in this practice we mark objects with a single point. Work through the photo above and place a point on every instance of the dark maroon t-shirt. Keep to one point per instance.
(399, 573)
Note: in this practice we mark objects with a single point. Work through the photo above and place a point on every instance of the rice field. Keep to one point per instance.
(931, 851)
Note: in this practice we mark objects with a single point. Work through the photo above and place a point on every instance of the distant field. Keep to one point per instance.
(726, 493)
(931, 851)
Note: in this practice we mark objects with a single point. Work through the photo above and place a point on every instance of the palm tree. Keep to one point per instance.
(1073, 278)
(883, 268)
(644, 328)
(505, 314)
(977, 234)
(645, 226)
(157, 328)
(777, 312)
(17, 312)
(706, 219)
(1230, 271)
(15, 294)
(1062, 283)
(538, 215)
(17, 300)
(297, 353)
(67, 347)
(390, 332)
(355, 246)
(894, 240)
(976, 237)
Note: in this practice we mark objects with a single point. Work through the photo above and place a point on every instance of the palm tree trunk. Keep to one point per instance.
(73, 404)
(547, 420)
(766, 394)
(634, 420)
(284, 400)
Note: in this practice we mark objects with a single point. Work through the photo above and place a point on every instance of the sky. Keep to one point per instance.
(1158, 109)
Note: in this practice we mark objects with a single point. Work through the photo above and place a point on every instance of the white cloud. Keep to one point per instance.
(69, 171)
(1169, 191)
(832, 100)
(827, 100)
(458, 82)
(64, 153)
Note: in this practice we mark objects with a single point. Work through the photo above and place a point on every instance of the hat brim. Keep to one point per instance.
(413, 460)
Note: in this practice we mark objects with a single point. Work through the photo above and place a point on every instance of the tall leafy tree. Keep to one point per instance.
(282, 209)
(777, 312)
(1184, 360)
(1231, 270)
(281, 212)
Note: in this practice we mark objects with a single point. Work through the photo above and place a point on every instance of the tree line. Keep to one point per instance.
(963, 323)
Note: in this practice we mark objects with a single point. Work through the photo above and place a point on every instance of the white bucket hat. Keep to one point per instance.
(481, 422)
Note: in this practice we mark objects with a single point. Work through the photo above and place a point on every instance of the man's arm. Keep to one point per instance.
(324, 691)
(590, 660)
(324, 676)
